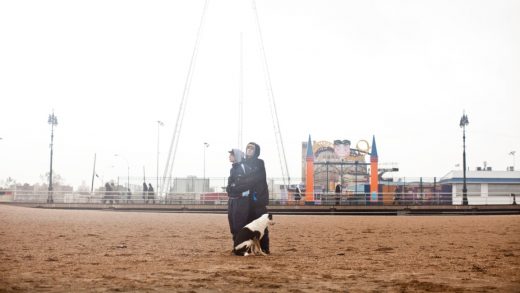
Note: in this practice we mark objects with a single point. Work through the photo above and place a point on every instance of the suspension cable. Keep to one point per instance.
(182, 107)
(272, 104)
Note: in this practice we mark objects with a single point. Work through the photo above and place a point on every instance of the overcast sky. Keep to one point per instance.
(403, 71)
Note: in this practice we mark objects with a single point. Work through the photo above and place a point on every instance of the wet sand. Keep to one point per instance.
(98, 251)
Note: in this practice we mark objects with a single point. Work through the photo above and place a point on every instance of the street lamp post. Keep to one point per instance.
(53, 120)
(159, 124)
(463, 122)
(206, 145)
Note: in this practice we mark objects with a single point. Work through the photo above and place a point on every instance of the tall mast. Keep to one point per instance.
(241, 92)
(272, 105)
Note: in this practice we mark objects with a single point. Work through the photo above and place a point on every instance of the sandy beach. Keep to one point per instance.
(101, 250)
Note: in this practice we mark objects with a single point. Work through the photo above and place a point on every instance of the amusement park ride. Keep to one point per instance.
(331, 164)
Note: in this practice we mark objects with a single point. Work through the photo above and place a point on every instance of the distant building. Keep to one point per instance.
(484, 186)
(190, 184)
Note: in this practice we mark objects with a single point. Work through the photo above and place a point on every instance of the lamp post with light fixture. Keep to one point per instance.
(52, 120)
(463, 122)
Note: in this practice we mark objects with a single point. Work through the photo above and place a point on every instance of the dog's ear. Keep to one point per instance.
(270, 216)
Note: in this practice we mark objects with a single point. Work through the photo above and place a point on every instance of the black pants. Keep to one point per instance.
(238, 214)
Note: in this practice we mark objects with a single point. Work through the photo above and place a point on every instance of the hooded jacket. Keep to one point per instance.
(255, 180)
(237, 170)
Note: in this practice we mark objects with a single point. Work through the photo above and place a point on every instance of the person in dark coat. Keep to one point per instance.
(255, 182)
(151, 194)
(108, 193)
(145, 192)
(238, 202)
(337, 191)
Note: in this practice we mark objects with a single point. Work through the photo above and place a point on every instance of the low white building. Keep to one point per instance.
(483, 187)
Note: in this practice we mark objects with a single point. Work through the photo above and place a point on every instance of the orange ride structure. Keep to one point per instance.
(374, 176)
(309, 183)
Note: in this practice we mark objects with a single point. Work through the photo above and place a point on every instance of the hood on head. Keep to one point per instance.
(238, 154)
(257, 149)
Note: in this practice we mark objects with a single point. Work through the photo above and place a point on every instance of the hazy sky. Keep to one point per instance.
(403, 71)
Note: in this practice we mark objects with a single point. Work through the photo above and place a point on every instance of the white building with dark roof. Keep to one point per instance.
(484, 187)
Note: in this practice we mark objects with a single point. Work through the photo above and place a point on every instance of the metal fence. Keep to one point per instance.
(211, 191)
(276, 199)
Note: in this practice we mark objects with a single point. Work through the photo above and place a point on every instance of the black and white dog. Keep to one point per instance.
(248, 238)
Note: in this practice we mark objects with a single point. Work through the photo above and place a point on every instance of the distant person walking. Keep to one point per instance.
(151, 194)
(145, 192)
(108, 193)
(337, 191)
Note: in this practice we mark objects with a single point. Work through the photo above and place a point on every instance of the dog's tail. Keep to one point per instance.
(243, 247)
